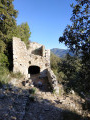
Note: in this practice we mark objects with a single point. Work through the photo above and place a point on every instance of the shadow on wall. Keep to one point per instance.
(37, 51)
(16, 103)
(10, 55)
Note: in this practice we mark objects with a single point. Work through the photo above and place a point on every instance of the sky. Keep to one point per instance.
(47, 19)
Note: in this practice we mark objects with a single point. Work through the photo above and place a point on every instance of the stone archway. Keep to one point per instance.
(34, 69)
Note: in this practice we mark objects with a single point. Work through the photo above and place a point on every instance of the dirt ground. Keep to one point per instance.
(18, 103)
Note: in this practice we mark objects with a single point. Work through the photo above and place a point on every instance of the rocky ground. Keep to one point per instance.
(24, 101)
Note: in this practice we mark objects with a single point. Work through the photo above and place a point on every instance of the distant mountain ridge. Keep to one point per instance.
(61, 52)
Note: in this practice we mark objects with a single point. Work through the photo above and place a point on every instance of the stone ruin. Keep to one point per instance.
(34, 60)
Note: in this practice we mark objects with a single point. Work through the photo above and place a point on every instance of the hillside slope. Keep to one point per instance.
(61, 52)
(18, 102)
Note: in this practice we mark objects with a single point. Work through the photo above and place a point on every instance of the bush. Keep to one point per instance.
(32, 90)
(4, 75)
(16, 75)
(3, 60)
(32, 94)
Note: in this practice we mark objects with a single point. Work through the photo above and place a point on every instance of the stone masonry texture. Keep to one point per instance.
(35, 55)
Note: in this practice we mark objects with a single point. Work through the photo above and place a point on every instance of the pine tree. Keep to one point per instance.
(7, 27)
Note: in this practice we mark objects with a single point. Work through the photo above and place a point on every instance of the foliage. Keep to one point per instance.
(2, 46)
(16, 75)
(3, 60)
(77, 37)
(4, 75)
(7, 29)
(32, 91)
(71, 70)
(70, 65)
(7, 20)
(55, 61)
(68, 72)
(23, 32)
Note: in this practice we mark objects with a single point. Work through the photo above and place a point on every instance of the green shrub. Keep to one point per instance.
(4, 79)
(32, 91)
(4, 75)
(16, 75)
(3, 60)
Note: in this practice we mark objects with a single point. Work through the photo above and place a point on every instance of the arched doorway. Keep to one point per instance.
(34, 70)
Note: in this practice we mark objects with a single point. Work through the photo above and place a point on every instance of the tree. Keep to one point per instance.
(23, 32)
(70, 68)
(7, 27)
(55, 62)
(77, 35)
(7, 20)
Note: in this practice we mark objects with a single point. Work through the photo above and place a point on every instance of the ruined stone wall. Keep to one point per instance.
(47, 56)
(42, 60)
(38, 61)
(35, 48)
(20, 56)
(23, 58)
(52, 80)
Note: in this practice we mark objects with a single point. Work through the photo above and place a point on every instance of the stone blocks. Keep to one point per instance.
(36, 55)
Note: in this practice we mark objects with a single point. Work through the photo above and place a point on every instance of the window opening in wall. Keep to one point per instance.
(34, 70)
(29, 62)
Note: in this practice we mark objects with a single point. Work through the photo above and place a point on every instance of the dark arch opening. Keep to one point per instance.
(34, 70)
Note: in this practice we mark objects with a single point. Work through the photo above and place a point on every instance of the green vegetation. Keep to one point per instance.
(4, 77)
(16, 75)
(32, 91)
(77, 38)
(9, 29)
(23, 32)
(69, 73)
(54, 62)
(74, 71)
